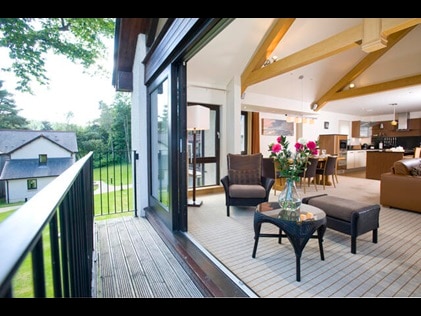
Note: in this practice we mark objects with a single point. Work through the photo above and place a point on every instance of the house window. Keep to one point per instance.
(42, 159)
(32, 184)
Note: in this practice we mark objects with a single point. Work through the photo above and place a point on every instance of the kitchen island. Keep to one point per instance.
(380, 161)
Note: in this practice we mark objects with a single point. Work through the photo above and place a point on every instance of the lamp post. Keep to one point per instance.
(197, 119)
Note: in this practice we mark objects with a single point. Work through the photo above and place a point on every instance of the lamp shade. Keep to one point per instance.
(198, 117)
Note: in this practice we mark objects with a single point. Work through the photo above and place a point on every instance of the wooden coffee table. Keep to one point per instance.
(298, 232)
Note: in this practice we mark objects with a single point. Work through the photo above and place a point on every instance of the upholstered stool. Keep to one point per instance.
(348, 216)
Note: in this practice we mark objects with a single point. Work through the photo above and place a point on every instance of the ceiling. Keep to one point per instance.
(236, 47)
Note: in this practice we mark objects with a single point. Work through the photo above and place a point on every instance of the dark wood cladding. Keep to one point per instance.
(379, 162)
(389, 130)
(179, 37)
(179, 40)
(159, 53)
(126, 33)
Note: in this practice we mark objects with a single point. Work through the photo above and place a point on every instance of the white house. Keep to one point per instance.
(29, 160)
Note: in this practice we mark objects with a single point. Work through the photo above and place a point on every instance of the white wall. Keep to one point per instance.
(40, 146)
(231, 104)
(139, 127)
(17, 190)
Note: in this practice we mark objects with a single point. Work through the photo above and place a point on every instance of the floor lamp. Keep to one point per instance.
(197, 120)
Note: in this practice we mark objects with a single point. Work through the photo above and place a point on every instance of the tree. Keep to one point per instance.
(113, 126)
(121, 123)
(46, 126)
(29, 39)
(92, 138)
(9, 118)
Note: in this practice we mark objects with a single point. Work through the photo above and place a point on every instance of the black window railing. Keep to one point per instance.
(61, 217)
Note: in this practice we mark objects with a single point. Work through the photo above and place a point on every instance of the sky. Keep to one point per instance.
(69, 90)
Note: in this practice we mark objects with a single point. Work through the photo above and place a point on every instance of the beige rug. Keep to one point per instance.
(390, 268)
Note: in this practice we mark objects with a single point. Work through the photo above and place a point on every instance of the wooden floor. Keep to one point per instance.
(133, 262)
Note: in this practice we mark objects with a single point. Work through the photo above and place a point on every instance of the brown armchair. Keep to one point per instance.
(245, 184)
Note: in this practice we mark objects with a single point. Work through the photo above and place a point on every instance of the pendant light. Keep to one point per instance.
(394, 122)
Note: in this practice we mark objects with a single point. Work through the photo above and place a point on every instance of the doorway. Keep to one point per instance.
(207, 149)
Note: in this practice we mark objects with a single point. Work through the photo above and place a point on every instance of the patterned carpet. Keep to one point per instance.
(390, 268)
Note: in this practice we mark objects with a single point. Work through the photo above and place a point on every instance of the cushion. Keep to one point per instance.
(248, 191)
(340, 208)
(241, 162)
(246, 176)
(416, 171)
(404, 166)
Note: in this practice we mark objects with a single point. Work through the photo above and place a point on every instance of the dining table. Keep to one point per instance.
(322, 160)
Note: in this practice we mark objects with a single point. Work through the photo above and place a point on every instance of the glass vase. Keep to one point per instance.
(289, 201)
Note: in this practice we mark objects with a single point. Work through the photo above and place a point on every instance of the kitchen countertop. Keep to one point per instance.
(405, 152)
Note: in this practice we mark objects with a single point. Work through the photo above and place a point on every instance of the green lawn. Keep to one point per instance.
(22, 282)
(118, 203)
(114, 174)
(3, 215)
(114, 202)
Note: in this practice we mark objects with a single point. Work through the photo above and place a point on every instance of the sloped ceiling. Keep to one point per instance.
(328, 53)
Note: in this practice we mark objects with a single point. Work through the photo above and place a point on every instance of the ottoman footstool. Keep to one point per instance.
(347, 216)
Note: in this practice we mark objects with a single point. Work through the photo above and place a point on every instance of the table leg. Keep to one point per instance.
(320, 233)
(257, 228)
(298, 267)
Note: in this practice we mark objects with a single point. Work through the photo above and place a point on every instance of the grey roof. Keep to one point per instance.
(30, 168)
(12, 139)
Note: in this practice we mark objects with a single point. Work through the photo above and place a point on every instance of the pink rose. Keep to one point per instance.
(311, 145)
(276, 148)
(299, 147)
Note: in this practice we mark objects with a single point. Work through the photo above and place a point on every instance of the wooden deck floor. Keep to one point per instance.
(133, 262)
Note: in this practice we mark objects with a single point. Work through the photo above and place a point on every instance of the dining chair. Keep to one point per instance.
(309, 173)
(328, 169)
(336, 168)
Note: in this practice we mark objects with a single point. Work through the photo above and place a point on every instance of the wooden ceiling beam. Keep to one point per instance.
(359, 69)
(373, 37)
(265, 49)
(394, 25)
(326, 48)
(379, 87)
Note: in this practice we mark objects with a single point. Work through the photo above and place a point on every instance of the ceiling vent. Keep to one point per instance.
(403, 121)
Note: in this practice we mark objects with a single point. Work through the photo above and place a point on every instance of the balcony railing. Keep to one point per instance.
(61, 217)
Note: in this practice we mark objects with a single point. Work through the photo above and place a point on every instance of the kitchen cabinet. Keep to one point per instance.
(332, 142)
(379, 162)
(356, 159)
(360, 129)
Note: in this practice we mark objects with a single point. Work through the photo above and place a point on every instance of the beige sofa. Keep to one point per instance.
(401, 187)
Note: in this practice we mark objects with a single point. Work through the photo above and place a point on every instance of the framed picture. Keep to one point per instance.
(326, 125)
(272, 127)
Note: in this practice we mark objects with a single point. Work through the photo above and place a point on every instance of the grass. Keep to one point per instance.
(4, 204)
(114, 174)
(114, 204)
(3, 215)
(22, 282)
